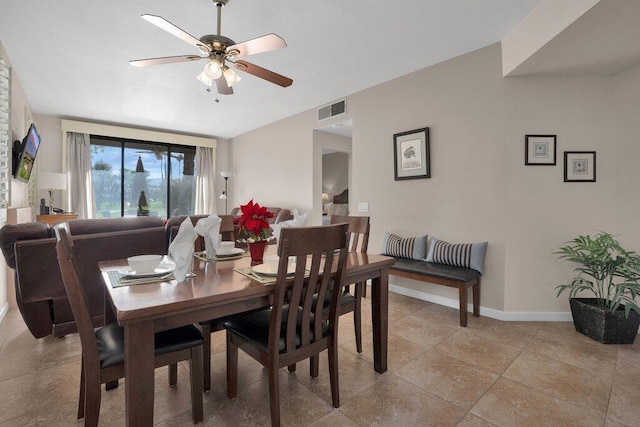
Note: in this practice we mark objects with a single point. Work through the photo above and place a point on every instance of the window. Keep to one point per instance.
(133, 177)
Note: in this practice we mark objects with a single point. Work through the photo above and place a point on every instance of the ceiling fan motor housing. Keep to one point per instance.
(217, 43)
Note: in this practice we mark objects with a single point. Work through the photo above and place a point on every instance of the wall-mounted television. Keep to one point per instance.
(25, 154)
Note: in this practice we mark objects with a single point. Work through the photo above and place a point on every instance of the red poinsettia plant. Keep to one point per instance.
(253, 221)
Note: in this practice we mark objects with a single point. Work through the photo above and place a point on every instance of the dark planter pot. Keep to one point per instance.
(602, 325)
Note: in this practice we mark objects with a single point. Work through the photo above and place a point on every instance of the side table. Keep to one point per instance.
(55, 218)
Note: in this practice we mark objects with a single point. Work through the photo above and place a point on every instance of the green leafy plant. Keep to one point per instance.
(608, 271)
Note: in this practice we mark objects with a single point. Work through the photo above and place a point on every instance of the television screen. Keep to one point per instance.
(30, 145)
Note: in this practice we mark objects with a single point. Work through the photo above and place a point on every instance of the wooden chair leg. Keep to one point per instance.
(333, 375)
(195, 370)
(357, 316)
(274, 392)
(314, 366)
(232, 368)
(82, 397)
(92, 401)
(364, 289)
(206, 356)
(173, 374)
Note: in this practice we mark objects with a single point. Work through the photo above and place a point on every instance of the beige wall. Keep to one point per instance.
(627, 179)
(274, 165)
(461, 101)
(480, 188)
(20, 115)
(543, 211)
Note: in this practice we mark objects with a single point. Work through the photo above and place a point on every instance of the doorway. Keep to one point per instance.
(332, 163)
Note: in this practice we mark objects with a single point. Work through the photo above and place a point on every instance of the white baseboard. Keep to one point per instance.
(3, 311)
(509, 316)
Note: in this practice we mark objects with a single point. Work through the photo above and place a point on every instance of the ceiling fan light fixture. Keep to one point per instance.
(230, 76)
(204, 78)
(213, 69)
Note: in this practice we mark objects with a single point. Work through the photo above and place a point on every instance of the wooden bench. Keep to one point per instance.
(441, 274)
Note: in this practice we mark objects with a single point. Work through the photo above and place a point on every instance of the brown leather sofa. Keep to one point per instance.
(30, 250)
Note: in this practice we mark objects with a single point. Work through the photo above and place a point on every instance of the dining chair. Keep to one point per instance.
(227, 229)
(103, 348)
(358, 232)
(291, 330)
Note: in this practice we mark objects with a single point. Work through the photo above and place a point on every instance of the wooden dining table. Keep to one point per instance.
(217, 290)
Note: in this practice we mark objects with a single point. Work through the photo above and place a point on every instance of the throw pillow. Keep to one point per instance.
(411, 247)
(470, 255)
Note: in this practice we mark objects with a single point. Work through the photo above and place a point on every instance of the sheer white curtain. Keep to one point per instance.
(205, 181)
(78, 171)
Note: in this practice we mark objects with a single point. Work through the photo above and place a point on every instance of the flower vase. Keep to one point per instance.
(256, 249)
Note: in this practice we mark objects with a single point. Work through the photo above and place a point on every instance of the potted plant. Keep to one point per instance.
(254, 225)
(612, 275)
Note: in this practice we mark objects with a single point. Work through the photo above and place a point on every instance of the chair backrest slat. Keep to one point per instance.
(358, 231)
(226, 228)
(76, 296)
(314, 250)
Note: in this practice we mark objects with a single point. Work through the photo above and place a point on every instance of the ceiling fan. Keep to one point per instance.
(219, 50)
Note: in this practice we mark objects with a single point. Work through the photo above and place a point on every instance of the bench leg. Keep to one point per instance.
(476, 298)
(462, 288)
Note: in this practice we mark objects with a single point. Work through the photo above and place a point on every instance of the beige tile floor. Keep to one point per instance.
(491, 373)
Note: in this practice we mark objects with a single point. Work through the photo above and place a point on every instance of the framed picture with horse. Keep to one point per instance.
(411, 154)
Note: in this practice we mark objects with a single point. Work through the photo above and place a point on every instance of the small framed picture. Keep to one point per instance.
(579, 166)
(540, 150)
(411, 154)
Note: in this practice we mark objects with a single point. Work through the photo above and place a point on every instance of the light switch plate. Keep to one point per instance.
(363, 207)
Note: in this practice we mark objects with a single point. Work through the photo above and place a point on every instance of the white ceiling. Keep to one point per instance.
(603, 41)
(71, 56)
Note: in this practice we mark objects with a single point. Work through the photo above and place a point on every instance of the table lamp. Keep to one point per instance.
(51, 181)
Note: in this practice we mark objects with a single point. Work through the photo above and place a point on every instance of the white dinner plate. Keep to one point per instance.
(232, 252)
(267, 271)
(162, 269)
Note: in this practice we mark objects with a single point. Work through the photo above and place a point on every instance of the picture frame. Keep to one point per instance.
(540, 150)
(579, 166)
(411, 158)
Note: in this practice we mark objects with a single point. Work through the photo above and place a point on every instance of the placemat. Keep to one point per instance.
(260, 278)
(202, 256)
(118, 279)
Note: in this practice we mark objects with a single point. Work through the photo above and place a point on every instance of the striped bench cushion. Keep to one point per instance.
(411, 247)
(470, 255)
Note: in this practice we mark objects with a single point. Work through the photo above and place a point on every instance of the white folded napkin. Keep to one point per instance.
(181, 249)
(299, 220)
(209, 228)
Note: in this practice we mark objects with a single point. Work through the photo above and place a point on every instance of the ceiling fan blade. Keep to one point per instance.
(258, 45)
(223, 87)
(165, 60)
(263, 73)
(178, 32)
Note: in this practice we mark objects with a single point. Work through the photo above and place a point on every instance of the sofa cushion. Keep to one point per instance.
(470, 255)
(411, 247)
(11, 233)
(110, 225)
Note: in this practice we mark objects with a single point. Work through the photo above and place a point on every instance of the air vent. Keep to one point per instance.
(331, 110)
